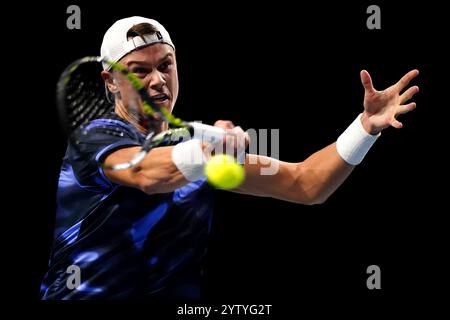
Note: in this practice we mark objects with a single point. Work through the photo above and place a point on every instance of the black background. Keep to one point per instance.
(294, 67)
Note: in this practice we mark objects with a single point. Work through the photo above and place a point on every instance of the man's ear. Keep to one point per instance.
(110, 83)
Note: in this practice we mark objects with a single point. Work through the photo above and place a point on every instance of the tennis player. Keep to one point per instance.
(142, 232)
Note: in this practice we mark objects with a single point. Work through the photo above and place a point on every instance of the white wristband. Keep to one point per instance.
(207, 133)
(354, 143)
(189, 158)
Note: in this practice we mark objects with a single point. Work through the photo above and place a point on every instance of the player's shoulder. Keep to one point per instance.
(109, 120)
(111, 125)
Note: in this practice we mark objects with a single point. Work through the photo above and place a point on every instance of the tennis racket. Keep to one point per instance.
(81, 98)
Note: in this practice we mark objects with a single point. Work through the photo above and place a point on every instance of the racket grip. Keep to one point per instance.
(206, 132)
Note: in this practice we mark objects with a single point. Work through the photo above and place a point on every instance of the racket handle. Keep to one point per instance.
(206, 132)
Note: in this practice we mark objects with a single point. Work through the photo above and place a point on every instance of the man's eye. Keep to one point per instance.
(140, 71)
(164, 66)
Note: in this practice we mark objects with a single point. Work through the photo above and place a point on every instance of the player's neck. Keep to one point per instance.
(133, 119)
(139, 122)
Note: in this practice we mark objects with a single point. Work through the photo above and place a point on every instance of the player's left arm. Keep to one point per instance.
(315, 179)
(307, 182)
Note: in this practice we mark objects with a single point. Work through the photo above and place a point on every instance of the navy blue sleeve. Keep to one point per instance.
(96, 141)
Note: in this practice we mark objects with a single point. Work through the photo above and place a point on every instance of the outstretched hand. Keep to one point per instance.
(381, 108)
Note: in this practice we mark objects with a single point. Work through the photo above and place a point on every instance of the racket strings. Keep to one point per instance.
(85, 99)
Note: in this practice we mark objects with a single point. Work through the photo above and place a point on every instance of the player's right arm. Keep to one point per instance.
(157, 173)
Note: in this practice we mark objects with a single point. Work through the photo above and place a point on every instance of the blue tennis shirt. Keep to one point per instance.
(126, 243)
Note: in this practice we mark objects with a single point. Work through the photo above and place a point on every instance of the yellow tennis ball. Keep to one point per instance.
(223, 172)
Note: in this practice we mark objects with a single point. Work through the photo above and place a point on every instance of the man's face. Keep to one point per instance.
(156, 67)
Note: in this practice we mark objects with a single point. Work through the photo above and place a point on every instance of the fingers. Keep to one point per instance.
(366, 81)
(405, 96)
(402, 110)
(404, 81)
(241, 137)
(224, 124)
(238, 138)
(396, 124)
(406, 108)
(408, 94)
(234, 143)
(237, 131)
(237, 135)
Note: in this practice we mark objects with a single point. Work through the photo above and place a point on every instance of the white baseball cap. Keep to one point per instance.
(115, 44)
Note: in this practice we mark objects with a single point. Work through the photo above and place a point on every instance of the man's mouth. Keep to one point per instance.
(160, 98)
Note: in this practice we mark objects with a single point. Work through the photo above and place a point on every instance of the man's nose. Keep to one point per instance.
(157, 80)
